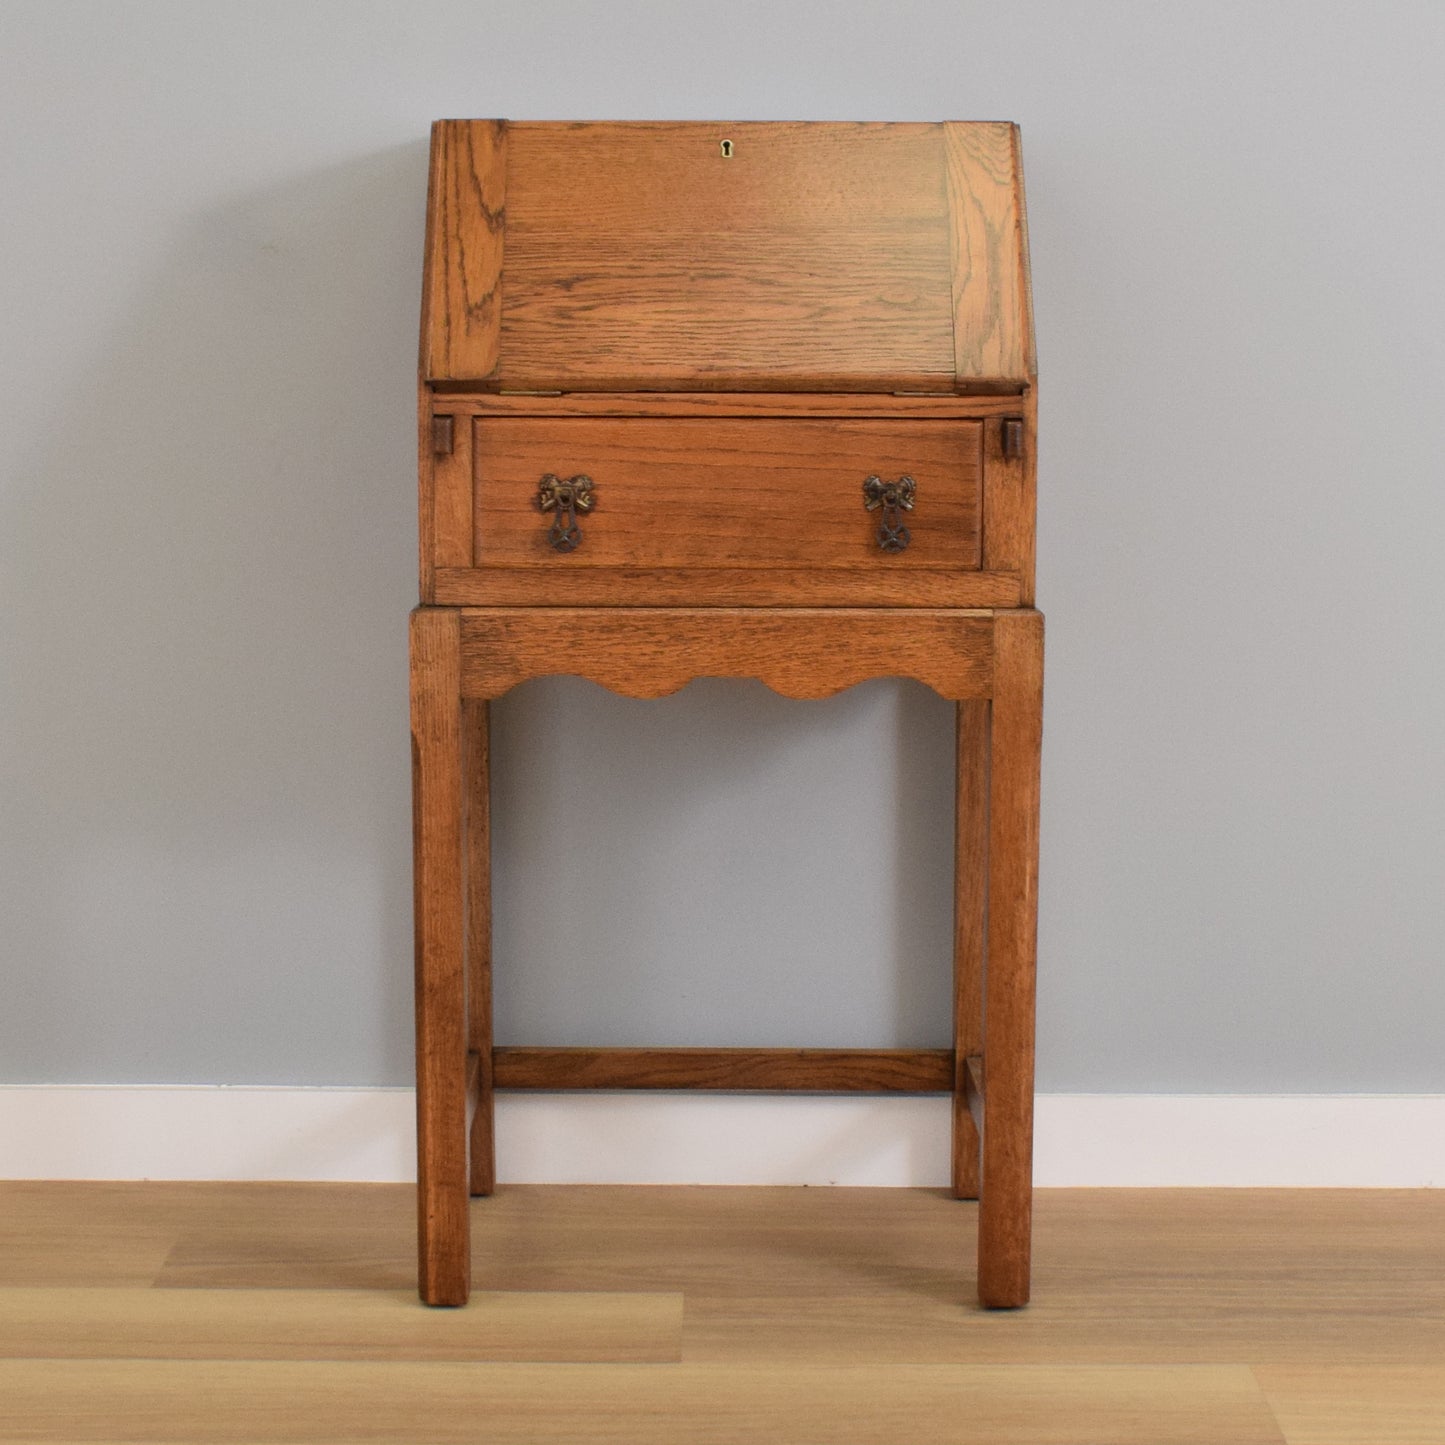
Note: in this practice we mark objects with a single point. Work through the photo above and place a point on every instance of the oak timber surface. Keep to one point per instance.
(440, 931)
(806, 1070)
(462, 268)
(896, 405)
(1015, 728)
(1160, 1315)
(637, 256)
(870, 586)
(728, 492)
(992, 325)
(650, 652)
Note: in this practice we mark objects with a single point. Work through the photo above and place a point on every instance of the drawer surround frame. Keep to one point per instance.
(1004, 577)
(970, 634)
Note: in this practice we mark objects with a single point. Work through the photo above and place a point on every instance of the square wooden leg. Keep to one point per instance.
(1006, 1201)
(970, 863)
(441, 1020)
(476, 785)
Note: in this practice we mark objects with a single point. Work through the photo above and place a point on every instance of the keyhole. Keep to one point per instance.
(727, 150)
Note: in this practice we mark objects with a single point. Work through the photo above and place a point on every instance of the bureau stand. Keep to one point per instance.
(750, 401)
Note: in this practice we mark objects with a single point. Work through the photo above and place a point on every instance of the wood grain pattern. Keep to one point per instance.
(730, 492)
(844, 1071)
(992, 327)
(426, 502)
(973, 1090)
(441, 1024)
(462, 274)
(970, 864)
(1015, 729)
(477, 882)
(244, 1324)
(941, 406)
(1343, 1404)
(284, 1401)
(1342, 1335)
(474, 1102)
(798, 652)
(869, 586)
(639, 259)
(42, 1241)
(264, 1235)
(1334, 1278)
(1008, 504)
(1026, 282)
(452, 498)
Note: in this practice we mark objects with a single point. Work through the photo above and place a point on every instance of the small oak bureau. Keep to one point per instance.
(751, 400)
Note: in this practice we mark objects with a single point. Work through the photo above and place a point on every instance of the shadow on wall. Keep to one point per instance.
(205, 574)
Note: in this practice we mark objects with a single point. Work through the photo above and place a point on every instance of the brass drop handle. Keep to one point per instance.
(892, 499)
(564, 500)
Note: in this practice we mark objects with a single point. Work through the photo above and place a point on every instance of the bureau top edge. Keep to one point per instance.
(701, 256)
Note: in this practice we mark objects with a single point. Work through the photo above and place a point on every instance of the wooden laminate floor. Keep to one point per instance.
(269, 1313)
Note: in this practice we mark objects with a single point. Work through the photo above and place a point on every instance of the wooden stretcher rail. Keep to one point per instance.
(833, 1071)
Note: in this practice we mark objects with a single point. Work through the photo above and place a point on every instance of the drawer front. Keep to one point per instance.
(748, 492)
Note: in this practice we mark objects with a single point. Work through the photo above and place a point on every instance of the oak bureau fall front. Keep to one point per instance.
(747, 400)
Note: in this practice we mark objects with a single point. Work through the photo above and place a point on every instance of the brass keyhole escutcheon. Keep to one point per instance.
(727, 150)
(892, 500)
(564, 500)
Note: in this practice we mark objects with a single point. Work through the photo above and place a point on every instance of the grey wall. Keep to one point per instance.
(210, 231)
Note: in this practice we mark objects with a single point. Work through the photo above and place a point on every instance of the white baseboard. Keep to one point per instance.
(1174, 1140)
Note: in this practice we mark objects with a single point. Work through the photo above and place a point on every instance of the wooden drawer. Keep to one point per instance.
(750, 492)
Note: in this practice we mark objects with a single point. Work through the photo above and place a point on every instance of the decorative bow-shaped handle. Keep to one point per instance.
(565, 499)
(893, 498)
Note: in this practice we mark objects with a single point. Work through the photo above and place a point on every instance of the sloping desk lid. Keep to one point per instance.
(726, 257)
